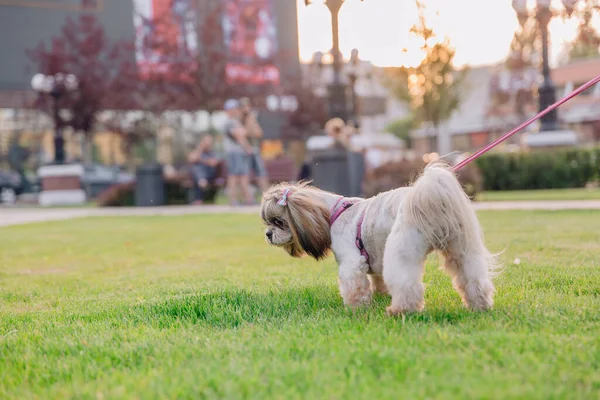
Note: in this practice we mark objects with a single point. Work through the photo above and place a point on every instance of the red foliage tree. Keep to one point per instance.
(310, 116)
(106, 73)
(196, 79)
(188, 79)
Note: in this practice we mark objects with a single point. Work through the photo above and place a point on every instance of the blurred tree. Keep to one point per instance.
(106, 74)
(310, 116)
(401, 128)
(433, 88)
(187, 74)
(587, 42)
(189, 78)
(516, 94)
(524, 46)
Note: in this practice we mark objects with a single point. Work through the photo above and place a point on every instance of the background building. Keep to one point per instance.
(496, 100)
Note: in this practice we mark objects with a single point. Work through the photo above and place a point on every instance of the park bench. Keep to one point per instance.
(281, 169)
(187, 181)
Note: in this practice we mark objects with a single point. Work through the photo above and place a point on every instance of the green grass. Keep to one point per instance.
(532, 195)
(199, 307)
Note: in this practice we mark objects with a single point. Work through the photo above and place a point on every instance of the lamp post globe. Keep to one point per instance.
(38, 82)
(71, 82)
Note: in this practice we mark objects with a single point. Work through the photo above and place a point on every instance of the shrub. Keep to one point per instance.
(118, 195)
(123, 194)
(402, 173)
(401, 128)
(558, 169)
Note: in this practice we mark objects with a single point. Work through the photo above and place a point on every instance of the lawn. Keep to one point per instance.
(199, 307)
(531, 195)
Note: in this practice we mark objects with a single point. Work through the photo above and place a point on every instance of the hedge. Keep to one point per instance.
(559, 169)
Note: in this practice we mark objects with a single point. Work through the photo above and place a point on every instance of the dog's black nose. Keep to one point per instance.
(269, 235)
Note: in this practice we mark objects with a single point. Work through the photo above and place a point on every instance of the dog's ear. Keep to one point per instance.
(294, 249)
(309, 224)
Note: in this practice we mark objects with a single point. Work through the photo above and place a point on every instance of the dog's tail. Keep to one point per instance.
(439, 208)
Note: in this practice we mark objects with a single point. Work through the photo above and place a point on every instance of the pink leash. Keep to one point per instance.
(502, 138)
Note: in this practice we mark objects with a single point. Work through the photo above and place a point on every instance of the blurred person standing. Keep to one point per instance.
(254, 133)
(237, 155)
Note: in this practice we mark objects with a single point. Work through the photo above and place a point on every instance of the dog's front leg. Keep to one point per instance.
(355, 286)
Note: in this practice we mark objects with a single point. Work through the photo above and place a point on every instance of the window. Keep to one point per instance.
(479, 139)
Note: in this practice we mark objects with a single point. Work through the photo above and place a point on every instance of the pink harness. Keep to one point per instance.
(335, 214)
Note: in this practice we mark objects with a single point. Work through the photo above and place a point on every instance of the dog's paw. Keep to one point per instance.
(392, 311)
(356, 296)
(358, 302)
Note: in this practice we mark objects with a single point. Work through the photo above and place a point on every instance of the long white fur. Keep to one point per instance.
(400, 228)
(442, 212)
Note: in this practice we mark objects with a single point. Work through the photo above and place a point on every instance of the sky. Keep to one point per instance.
(480, 30)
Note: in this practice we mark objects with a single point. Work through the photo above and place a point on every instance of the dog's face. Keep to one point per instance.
(278, 231)
(300, 224)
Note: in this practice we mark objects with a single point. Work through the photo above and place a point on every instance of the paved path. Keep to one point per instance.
(17, 216)
(539, 205)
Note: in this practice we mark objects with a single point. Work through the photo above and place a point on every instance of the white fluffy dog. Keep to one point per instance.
(381, 243)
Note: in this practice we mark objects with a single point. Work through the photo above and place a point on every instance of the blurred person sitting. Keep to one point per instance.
(204, 167)
(254, 133)
(237, 155)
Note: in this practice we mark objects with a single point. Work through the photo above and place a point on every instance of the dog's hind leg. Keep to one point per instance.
(442, 212)
(470, 273)
(403, 267)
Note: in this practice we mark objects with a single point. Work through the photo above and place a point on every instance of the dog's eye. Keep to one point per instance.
(278, 222)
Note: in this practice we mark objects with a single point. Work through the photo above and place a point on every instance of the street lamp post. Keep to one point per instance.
(56, 86)
(352, 68)
(546, 90)
(337, 90)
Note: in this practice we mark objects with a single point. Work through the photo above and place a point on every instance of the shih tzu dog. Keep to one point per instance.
(381, 243)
